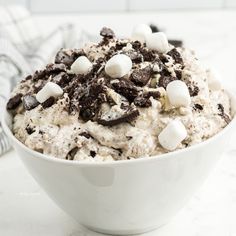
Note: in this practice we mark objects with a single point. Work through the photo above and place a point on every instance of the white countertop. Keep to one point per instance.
(26, 210)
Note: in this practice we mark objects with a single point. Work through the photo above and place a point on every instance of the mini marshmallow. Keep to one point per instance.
(214, 80)
(50, 89)
(178, 94)
(140, 32)
(172, 135)
(118, 66)
(157, 41)
(81, 66)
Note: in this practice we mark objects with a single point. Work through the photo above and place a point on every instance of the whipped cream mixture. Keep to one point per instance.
(95, 113)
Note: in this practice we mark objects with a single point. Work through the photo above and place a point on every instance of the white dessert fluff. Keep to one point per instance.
(119, 99)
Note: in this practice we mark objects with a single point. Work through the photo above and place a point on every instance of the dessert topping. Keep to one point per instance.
(29, 102)
(118, 66)
(178, 94)
(157, 41)
(172, 135)
(50, 89)
(81, 66)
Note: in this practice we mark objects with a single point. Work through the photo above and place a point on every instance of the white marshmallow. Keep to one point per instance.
(140, 32)
(81, 66)
(214, 80)
(118, 66)
(50, 89)
(178, 94)
(172, 135)
(157, 41)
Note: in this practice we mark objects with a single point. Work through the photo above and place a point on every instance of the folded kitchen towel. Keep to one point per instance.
(23, 49)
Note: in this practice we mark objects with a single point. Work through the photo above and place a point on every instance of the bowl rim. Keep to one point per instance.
(160, 157)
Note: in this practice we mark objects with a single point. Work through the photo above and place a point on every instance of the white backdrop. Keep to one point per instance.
(73, 6)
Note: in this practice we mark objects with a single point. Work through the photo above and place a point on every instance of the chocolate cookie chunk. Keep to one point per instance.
(176, 42)
(48, 103)
(144, 99)
(165, 80)
(128, 116)
(136, 45)
(175, 55)
(148, 55)
(126, 88)
(29, 130)
(39, 75)
(154, 28)
(193, 90)
(120, 45)
(135, 57)
(222, 113)
(55, 68)
(107, 33)
(141, 77)
(86, 135)
(14, 102)
(62, 79)
(67, 57)
(29, 102)
(71, 154)
(198, 107)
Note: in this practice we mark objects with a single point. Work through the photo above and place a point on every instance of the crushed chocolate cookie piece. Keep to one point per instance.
(64, 56)
(126, 88)
(39, 75)
(140, 77)
(198, 107)
(62, 79)
(48, 103)
(88, 113)
(222, 113)
(67, 57)
(92, 153)
(175, 55)
(144, 99)
(120, 45)
(136, 45)
(71, 154)
(178, 74)
(226, 118)
(176, 42)
(165, 80)
(154, 28)
(97, 67)
(91, 101)
(55, 68)
(221, 108)
(129, 116)
(86, 135)
(29, 102)
(148, 55)
(163, 58)
(135, 57)
(36, 89)
(107, 33)
(28, 77)
(14, 102)
(29, 130)
(193, 90)
(111, 52)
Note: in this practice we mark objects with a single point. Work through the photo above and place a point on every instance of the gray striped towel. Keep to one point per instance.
(24, 49)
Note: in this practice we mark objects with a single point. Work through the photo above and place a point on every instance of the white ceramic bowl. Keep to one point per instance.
(124, 197)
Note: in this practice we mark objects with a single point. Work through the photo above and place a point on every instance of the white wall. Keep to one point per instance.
(60, 6)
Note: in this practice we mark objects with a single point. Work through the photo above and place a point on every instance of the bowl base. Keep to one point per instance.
(123, 232)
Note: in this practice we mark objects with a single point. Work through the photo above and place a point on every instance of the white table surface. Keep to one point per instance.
(26, 210)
